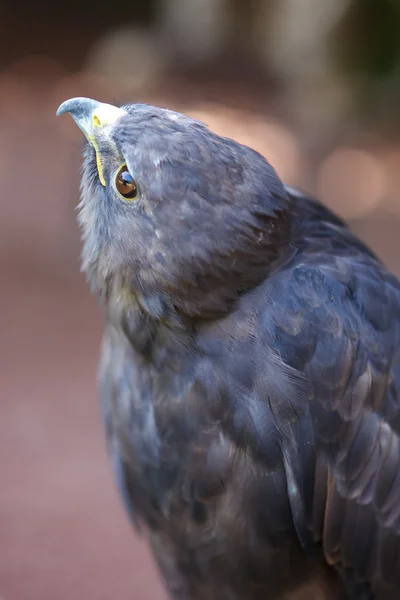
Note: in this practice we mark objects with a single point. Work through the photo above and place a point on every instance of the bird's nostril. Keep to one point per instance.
(96, 121)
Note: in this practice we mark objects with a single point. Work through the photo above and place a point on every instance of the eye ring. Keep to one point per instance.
(125, 184)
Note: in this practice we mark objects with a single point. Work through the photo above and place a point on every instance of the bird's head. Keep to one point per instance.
(170, 210)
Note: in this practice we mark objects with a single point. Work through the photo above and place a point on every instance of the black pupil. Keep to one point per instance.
(127, 186)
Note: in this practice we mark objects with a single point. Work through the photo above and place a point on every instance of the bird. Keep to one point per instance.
(249, 377)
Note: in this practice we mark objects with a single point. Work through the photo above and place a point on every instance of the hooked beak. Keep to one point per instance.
(91, 117)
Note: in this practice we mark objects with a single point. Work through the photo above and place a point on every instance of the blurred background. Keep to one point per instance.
(314, 85)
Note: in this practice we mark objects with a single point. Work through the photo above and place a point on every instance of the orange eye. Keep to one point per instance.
(125, 184)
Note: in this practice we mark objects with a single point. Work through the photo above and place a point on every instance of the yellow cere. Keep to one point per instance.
(106, 114)
(93, 141)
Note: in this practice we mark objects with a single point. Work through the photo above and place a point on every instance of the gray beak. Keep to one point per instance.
(92, 117)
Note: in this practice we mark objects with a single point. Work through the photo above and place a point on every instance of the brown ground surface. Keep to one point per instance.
(63, 532)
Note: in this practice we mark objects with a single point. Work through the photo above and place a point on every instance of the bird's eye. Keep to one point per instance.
(125, 184)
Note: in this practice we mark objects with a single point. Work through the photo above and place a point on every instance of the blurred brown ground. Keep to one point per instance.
(63, 531)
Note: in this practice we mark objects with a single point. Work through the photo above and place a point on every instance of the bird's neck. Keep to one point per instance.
(163, 330)
(155, 330)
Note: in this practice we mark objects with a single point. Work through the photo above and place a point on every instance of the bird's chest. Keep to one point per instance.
(161, 435)
(217, 519)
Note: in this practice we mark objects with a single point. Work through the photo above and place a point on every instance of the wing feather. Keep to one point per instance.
(354, 405)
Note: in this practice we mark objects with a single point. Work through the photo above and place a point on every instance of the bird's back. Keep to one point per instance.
(336, 322)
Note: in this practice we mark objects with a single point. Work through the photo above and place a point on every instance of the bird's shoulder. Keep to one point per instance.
(327, 365)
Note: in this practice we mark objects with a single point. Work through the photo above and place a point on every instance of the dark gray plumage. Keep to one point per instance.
(250, 372)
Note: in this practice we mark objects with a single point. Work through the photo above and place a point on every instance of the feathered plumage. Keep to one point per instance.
(250, 372)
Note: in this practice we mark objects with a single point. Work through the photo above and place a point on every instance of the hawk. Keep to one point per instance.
(250, 369)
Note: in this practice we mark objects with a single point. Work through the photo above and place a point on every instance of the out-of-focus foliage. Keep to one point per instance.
(369, 54)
